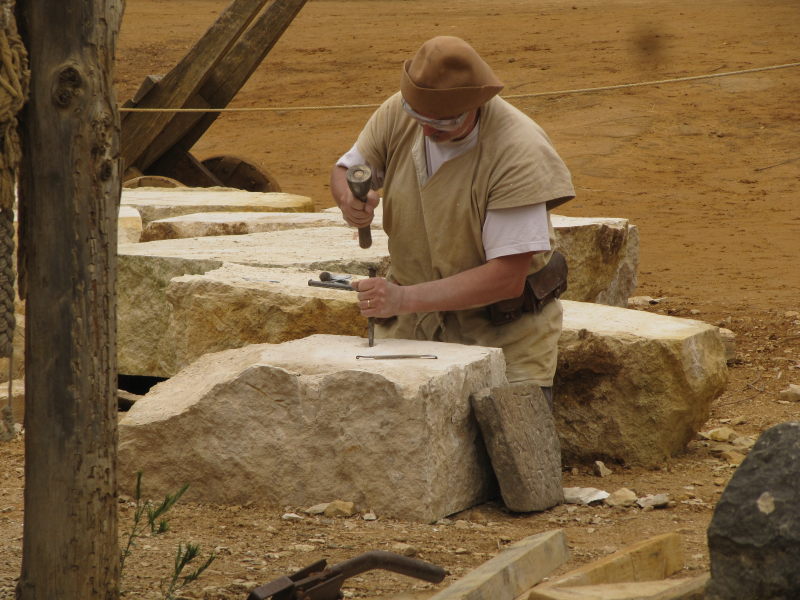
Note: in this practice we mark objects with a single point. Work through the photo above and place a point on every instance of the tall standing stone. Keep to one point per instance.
(520, 436)
(754, 536)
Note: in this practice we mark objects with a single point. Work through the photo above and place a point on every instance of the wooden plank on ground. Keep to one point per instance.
(692, 588)
(656, 558)
(516, 569)
(521, 439)
(184, 80)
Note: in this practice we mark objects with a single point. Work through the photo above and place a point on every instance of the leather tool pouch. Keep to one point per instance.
(541, 287)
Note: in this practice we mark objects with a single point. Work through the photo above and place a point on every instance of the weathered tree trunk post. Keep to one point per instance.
(69, 196)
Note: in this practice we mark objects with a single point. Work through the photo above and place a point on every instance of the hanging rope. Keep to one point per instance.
(14, 78)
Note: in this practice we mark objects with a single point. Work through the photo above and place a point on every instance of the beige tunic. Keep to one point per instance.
(434, 223)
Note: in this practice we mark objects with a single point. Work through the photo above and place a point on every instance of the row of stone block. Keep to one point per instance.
(600, 271)
(307, 420)
(603, 253)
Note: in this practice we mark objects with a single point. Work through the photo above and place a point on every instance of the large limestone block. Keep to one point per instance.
(161, 203)
(633, 386)
(143, 312)
(306, 422)
(236, 305)
(238, 223)
(603, 258)
(145, 270)
(129, 225)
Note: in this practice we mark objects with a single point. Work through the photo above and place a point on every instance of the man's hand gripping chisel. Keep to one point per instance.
(359, 178)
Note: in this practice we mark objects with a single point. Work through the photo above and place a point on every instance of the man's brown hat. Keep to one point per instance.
(446, 78)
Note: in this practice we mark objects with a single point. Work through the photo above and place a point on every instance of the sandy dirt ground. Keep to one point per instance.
(708, 170)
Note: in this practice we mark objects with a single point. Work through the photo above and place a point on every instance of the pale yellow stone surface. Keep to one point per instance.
(238, 223)
(161, 203)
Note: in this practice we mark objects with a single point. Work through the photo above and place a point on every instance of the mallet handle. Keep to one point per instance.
(359, 178)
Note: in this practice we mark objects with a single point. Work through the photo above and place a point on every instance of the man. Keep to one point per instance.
(467, 180)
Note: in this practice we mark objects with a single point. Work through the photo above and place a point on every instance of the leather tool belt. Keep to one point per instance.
(544, 286)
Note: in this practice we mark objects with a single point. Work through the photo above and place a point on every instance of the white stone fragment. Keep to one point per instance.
(584, 495)
(317, 509)
(653, 501)
(791, 393)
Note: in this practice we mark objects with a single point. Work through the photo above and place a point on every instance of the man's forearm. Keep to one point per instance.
(498, 279)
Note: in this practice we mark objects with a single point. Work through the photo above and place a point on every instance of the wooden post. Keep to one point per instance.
(69, 197)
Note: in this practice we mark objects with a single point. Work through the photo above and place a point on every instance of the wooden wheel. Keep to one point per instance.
(238, 173)
(152, 181)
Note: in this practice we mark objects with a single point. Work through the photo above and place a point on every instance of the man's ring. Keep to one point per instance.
(368, 303)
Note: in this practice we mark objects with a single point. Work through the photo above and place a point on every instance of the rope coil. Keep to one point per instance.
(14, 79)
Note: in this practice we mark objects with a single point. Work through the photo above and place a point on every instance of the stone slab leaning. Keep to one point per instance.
(521, 439)
(305, 422)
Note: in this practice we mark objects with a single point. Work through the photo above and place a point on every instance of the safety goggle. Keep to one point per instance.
(440, 124)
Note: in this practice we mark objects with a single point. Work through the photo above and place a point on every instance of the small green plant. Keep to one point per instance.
(147, 515)
(182, 558)
(154, 520)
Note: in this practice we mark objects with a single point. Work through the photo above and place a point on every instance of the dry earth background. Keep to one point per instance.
(708, 170)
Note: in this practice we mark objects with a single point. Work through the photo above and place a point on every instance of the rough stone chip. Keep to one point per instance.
(339, 508)
(622, 497)
(298, 423)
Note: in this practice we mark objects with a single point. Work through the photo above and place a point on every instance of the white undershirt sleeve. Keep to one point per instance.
(516, 230)
(354, 157)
